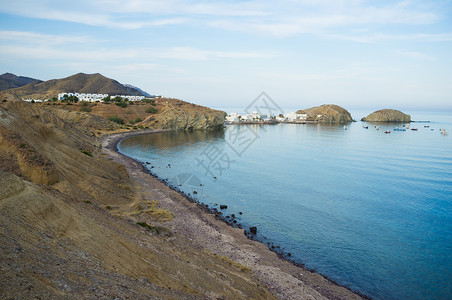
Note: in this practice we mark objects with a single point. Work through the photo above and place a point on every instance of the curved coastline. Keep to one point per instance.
(274, 268)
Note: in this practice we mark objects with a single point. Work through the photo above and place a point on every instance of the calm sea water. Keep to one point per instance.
(370, 210)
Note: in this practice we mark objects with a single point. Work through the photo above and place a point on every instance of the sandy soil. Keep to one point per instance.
(283, 278)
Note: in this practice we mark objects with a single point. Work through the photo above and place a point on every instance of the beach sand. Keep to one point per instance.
(283, 278)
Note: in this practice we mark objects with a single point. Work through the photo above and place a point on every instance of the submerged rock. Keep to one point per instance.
(387, 115)
(253, 230)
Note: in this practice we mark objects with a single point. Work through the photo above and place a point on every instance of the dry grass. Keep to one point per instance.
(150, 208)
(229, 261)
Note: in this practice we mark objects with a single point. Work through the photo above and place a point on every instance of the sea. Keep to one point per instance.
(370, 210)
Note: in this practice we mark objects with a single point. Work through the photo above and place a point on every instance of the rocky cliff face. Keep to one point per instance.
(180, 115)
(387, 115)
(327, 113)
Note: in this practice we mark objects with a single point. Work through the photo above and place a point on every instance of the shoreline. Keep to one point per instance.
(284, 277)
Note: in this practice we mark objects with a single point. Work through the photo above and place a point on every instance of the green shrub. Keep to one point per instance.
(159, 230)
(85, 109)
(121, 104)
(138, 120)
(116, 119)
(151, 110)
(147, 100)
(86, 153)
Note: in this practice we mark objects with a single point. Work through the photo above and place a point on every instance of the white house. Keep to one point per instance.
(130, 97)
(234, 117)
(84, 96)
(98, 97)
(294, 116)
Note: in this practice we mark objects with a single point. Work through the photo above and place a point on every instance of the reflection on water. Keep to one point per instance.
(164, 140)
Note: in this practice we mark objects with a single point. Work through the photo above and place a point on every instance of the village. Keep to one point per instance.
(89, 97)
(258, 118)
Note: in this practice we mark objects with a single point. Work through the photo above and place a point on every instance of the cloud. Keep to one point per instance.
(414, 55)
(30, 45)
(369, 37)
(278, 19)
(43, 39)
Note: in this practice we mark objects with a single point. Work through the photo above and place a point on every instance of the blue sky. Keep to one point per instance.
(355, 53)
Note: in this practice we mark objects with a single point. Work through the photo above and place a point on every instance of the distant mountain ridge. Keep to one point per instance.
(146, 94)
(11, 81)
(81, 82)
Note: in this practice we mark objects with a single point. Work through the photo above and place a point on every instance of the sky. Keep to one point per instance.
(354, 53)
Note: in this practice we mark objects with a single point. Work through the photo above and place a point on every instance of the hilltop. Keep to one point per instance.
(10, 81)
(328, 113)
(81, 82)
(387, 115)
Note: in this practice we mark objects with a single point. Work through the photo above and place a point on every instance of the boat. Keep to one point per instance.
(377, 127)
(366, 127)
(414, 129)
(426, 126)
(387, 131)
(345, 127)
(399, 129)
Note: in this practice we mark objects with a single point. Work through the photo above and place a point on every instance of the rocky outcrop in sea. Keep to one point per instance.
(387, 115)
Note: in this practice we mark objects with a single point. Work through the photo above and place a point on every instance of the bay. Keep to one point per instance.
(370, 210)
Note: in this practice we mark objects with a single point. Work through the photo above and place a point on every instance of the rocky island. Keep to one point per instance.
(387, 115)
(327, 113)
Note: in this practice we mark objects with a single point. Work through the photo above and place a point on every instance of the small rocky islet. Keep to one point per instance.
(388, 116)
(327, 113)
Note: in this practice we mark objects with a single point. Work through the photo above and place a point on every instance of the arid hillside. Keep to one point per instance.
(81, 82)
(11, 81)
(161, 113)
(68, 222)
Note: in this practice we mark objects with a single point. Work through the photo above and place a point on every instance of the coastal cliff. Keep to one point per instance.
(387, 115)
(180, 115)
(327, 113)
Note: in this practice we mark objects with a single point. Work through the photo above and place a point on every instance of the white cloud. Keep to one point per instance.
(377, 37)
(414, 55)
(30, 45)
(43, 39)
(282, 18)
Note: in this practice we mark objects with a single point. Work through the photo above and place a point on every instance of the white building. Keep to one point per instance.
(84, 96)
(234, 117)
(294, 116)
(98, 97)
(129, 97)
